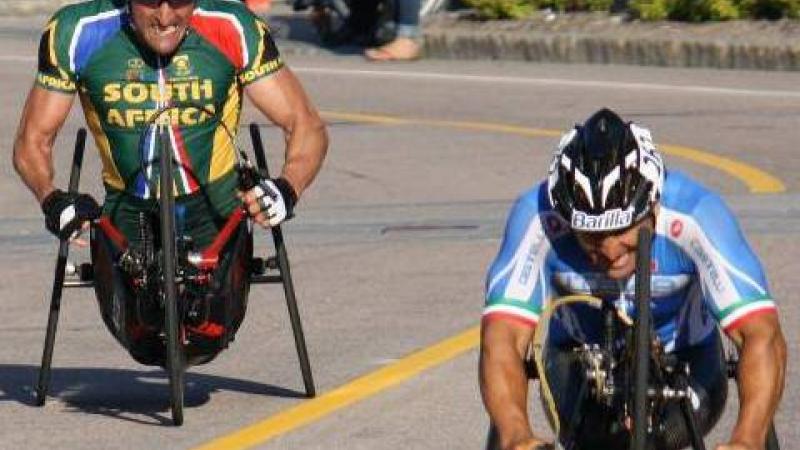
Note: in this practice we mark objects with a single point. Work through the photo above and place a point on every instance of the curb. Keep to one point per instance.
(586, 49)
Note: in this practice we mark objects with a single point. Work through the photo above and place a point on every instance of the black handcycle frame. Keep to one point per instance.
(646, 365)
(269, 270)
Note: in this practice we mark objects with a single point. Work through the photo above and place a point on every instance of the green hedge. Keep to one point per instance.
(681, 10)
(502, 9)
(704, 10)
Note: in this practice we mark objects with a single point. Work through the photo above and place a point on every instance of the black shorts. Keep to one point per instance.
(212, 313)
(597, 426)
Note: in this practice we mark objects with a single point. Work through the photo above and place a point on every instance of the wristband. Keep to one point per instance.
(287, 192)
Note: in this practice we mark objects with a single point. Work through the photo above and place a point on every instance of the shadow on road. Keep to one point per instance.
(139, 396)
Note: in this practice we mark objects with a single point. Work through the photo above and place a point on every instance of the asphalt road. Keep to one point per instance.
(389, 247)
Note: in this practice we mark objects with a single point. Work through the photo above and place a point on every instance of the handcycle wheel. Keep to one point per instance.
(642, 336)
(173, 326)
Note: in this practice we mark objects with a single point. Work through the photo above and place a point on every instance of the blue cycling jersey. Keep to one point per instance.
(704, 272)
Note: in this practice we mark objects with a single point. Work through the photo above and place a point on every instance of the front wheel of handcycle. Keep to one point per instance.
(173, 327)
(642, 341)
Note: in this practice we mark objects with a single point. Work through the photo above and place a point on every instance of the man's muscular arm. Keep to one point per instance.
(281, 98)
(504, 383)
(42, 117)
(761, 374)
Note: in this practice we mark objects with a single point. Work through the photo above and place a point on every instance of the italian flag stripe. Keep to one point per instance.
(509, 318)
(733, 317)
(504, 310)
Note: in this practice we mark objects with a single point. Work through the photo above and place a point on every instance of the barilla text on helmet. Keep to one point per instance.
(612, 219)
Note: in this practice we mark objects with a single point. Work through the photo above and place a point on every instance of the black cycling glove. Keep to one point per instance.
(65, 212)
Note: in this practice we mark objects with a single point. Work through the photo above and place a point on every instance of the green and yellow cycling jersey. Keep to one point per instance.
(125, 88)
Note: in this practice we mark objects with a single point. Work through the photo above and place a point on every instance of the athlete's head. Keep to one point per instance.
(606, 180)
(161, 24)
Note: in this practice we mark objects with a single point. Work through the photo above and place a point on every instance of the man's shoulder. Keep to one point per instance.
(534, 205)
(77, 31)
(687, 202)
(232, 8)
(84, 23)
(72, 15)
(683, 194)
(534, 198)
(232, 28)
(72, 35)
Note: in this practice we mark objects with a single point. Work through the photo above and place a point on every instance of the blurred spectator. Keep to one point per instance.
(405, 46)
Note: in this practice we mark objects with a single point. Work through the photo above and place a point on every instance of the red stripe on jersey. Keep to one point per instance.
(492, 316)
(223, 35)
(186, 162)
(741, 320)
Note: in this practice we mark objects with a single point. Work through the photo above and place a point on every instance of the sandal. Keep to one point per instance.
(400, 49)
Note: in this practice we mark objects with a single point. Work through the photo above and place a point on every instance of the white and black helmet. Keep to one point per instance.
(606, 174)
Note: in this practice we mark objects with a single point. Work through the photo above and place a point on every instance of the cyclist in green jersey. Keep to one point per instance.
(181, 66)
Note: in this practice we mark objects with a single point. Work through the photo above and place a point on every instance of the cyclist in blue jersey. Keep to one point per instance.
(575, 233)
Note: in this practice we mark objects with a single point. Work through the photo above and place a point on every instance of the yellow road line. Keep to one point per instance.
(358, 389)
(757, 180)
(368, 118)
(496, 127)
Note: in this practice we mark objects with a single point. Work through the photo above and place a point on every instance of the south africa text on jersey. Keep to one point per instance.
(192, 102)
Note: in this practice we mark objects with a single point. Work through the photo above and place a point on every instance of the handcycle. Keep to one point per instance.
(164, 272)
(643, 393)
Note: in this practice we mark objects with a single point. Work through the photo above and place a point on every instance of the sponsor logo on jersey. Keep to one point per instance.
(133, 75)
(613, 219)
(676, 228)
(136, 63)
(51, 82)
(530, 257)
(182, 66)
(134, 71)
(260, 70)
(705, 260)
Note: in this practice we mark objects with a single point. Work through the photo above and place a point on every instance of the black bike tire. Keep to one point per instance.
(642, 339)
(175, 363)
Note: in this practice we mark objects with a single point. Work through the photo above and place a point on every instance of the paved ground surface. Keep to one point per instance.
(372, 289)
